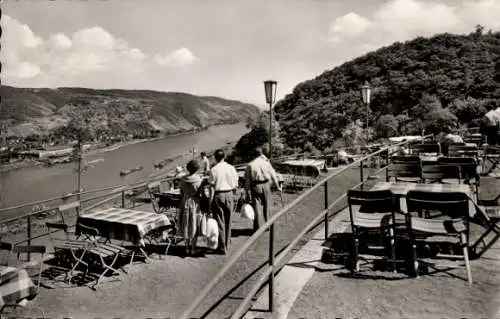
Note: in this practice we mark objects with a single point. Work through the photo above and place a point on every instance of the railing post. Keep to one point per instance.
(326, 207)
(123, 199)
(271, 264)
(361, 178)
(29, 234)
(387, 165)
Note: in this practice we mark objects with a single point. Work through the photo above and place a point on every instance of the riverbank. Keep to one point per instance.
(99, 149)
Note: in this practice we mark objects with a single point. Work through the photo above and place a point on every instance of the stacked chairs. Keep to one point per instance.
(455, 206)
(405, 169)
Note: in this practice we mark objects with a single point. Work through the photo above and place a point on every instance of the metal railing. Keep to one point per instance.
(273, 261)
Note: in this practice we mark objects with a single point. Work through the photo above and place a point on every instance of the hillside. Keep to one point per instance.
(426, 83)
(111, 114)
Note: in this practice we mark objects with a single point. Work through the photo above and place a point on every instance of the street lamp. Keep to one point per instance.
(366, 93)
(270, 89)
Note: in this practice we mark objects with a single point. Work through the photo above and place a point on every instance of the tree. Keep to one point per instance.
(259, 137)
(386, 126)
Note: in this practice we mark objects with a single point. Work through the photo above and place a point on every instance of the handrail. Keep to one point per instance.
(270, 222)
(129, 186)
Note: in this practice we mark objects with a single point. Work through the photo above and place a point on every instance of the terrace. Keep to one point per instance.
(216, 286)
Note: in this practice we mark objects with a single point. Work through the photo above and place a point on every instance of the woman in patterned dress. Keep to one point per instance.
(190, 205)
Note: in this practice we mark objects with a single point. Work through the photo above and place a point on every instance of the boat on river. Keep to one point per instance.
(131, 170)
(163, 163)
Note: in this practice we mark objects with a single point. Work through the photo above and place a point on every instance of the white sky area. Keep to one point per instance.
(223, 48)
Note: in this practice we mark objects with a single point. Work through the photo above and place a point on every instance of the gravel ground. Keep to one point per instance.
(385, 295)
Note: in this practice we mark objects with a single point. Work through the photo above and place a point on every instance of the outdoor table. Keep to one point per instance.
(401, 189)
(15, 286)
(429, 159)
(123, 224)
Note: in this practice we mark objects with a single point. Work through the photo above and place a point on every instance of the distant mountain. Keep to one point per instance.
(33, 111)
(426, 83)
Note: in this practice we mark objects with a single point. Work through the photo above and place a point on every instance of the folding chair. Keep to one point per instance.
(375, 213)
(96, 253)
(69, 250)
(155, 190)
(487, 215)
(7, 247)
(453, 205)
(432, 173)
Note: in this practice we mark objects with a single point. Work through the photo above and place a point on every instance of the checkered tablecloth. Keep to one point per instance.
(122, 224)
(15, 285)
(401, 189)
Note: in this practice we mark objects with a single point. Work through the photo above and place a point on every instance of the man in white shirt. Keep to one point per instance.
(259, 174)
(205, 164)
(224, 180)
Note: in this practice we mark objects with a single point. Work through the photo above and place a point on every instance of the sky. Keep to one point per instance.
(223, 48)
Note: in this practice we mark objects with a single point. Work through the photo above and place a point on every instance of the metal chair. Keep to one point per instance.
(453, 205)
(427, 149)
(461, 170)
(375, 213)
(405, 169)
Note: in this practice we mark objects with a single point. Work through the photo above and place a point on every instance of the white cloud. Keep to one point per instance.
(399, 20)
(179, 57)
(348, 25)
(77, 59)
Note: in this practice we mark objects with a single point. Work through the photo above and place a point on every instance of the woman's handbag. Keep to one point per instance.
(247, 211)
(212, 233)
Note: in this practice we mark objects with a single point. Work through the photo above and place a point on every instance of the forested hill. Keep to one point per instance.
(114, 113)
(430, 83)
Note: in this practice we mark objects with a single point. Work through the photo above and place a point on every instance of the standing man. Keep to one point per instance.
(205, 164)
(224, 180)
(259, 174)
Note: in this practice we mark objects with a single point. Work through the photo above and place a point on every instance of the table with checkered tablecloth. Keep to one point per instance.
(15, 285)
(122, 224)
(401, 189)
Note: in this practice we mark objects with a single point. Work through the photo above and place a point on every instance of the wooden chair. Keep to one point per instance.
(461, 170)
(98, 253)
(68, 250)
(453, 205)
(405, 169)
(476, 138)
(432, 173)
(372, 211)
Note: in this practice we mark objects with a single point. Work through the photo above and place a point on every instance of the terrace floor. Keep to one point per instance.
(167, 285)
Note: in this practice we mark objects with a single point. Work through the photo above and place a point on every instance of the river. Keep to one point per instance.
(37, 183)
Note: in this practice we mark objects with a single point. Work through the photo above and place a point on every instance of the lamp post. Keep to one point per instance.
(270, 87)
(366, 93)
(270, 90)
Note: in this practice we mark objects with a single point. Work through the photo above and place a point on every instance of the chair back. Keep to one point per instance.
(399, 170)
(8, 248)
(371, 201)
(476, 138)
(459, 167)
(154, 187)
(68, 207)
(432, 173)
(410, 159)
(428, 148)
(453, 204)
